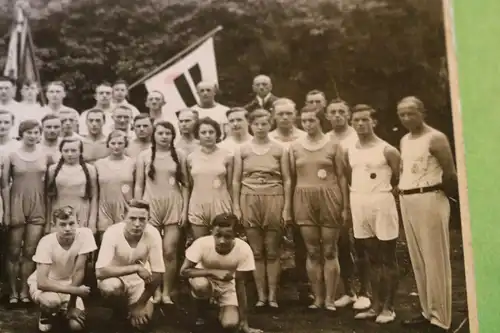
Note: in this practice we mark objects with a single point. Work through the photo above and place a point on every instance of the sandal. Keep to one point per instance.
(260, 304)
(273, 304)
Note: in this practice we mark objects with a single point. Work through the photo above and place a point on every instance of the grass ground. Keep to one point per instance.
(291, 317)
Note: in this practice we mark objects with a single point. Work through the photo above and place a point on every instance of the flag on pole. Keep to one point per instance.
(178, 82)
(20, 64)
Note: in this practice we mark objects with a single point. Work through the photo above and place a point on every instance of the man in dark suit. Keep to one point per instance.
(317, 98)
(264, 99)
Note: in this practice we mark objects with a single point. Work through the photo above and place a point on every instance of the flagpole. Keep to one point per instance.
(178, 56)
(35, 67)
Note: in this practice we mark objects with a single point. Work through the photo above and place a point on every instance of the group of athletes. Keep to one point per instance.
(124, 190)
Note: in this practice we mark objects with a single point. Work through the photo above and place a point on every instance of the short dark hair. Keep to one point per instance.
(96, 110)
(225, 220)
(56, 83)
(141, 116)
(339, 101)
(49, 116)
(207, 121)
(7, 79)
(27, 83)
(103, 84)
(364, 107)
(139, 204)
(258, 113)
(316, 92)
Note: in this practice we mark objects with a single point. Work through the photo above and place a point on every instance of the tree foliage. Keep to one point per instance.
(365, 51)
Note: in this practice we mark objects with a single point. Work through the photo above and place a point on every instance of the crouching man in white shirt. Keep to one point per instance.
(130, 265)
(216, 266)
(56, 285)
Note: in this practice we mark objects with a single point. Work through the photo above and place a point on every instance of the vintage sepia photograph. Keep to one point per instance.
(249, 166)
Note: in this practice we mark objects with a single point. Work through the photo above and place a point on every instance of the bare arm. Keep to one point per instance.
(287, 183)
(293, 170)
(393, 158)
(149, 289)
(46, 284)
(48, 199)
(237, 174)
(5, 186)
(116, 271)
(229, 175)
(339, 160)
(140, 177)
(347, 167)
(441, 150)
(77, 277)
(185, 189)
(242, 298)
(93, 199)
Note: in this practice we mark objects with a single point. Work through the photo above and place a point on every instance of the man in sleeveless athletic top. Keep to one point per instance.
(373, 167)
(51, 136)
(208, 107)
(141, 140)
(338, 114)
(95, 142)
(428, 173)
(187, 119)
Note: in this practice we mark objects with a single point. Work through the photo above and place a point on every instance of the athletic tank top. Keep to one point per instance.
(71, 182)
(315, 168)
(370, 170)
(420, 168)
(165, 181)
(261, 171)
(187, 147)
(116, 179)
(350, 140)
(94, 150)
(208, 171)
(28, 172)
(136, 147)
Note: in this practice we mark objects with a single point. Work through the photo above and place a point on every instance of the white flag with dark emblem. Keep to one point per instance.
(178, 82)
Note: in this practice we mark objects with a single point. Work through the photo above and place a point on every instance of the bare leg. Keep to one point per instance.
(16, 235)
(331, 268)
(31, 238)
(255, 238)
(171, 238)
(229, 318)
(390, 275)
(314, 266)
(273, 268)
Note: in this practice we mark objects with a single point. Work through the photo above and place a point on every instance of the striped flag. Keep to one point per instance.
(178, 82)
(20, 64)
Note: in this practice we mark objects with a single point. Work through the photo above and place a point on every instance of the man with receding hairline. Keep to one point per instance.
(285, 117)
(428, 174)
(264, 99)
(187, 142)
(208, 107)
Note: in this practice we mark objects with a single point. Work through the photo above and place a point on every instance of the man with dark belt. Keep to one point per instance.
(428, 174)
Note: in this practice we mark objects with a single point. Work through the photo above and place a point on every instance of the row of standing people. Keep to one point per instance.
(320, 224)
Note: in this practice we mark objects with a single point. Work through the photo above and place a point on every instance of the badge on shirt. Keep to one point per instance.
(322, 174)
(171, 181)
(216, 183)
(125, 188)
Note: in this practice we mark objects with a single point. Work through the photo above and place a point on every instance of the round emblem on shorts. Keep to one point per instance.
(125, 188)
(216, 183)
(171, 181)
(321, 173)
(373, 175)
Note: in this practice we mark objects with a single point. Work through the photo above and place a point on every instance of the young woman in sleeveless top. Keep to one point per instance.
(72, 182)
(211, 173)
(24, 169)
(161, 180)
(262, 199)
(116, 177)
(320, 204)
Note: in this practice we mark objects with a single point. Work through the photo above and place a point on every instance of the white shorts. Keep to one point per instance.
(134, 286)
(37, 294)
(223, 292)
(374, 215)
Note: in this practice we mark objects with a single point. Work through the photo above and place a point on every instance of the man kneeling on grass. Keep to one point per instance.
(56, 285)
(128, 250)
(216, 266)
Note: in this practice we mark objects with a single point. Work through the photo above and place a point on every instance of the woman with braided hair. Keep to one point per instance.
(161, 180)
(72, 182)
